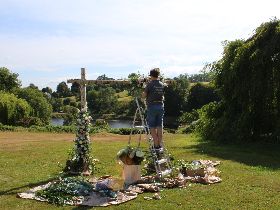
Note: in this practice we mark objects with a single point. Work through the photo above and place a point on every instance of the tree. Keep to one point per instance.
(13, 109)
(135, 89)
(202, 77)
(103, 101)
(41, 108)
(62, 90)
(176, 95)
(47, 90)
(57, 104)
(248, 80)
(104, 77)
(199, 95)
(75, 89)
(66, 101)
(31, 85)
(8, 80)
(71, 113)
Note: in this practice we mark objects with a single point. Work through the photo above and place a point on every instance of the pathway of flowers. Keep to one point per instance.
(107, 190)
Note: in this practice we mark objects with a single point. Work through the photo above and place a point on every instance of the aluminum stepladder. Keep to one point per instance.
(161, 157)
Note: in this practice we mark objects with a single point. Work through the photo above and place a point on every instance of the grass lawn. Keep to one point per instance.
(250, 173)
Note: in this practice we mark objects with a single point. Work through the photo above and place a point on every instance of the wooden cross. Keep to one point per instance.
(83, 83)
(84, 136)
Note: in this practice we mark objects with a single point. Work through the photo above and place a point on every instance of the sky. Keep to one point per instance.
(49, 41)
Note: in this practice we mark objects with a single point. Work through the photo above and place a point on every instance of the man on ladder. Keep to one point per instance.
(152, 125)
(154, 95)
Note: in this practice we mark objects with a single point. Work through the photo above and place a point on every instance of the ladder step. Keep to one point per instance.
(166, 172)
(161, 161)
(139, 126)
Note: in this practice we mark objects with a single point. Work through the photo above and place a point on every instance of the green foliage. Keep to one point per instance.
(8, 128)
(104, 77)
(53, 129)
(189, 117)
(122, 131)
(57, 104)
(103, 101)
(62, 90)
(80, 159)
(36, 128)
(208, 126)
(188, 121)
(70, 114)
(130, 155)
(66, 101)
(199, 95)
(13, 109)
(202, 77)
(136, 83)
(47, 90)
(101, 124)
(66, 190)
(176, 95)
(75, 89)
(31, 85)
(41, 107)
(29, 121)
(8, 80)
(248, 81)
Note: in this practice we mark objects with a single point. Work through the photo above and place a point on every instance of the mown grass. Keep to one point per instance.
(250, 173)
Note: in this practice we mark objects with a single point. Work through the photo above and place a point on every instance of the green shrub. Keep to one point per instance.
(122, 131)
(207, 125)
(40, 105)
(13, 109)
(29, 121)
(189, 117)
(247, 79)
(7, 128)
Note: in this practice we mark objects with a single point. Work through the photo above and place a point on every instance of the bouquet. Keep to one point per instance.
(130, 156)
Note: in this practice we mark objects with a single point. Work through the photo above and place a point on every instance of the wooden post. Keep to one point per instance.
(83, 89)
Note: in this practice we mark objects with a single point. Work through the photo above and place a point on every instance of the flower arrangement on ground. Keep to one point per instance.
(130, 155)
(69, 190)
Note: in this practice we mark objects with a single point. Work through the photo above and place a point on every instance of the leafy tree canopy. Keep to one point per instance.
(248, 80)
(8, 80)
(13, 109)
(176, 95)
(75, 89)
(47, 90)
(103, 101)
(41, 108)
(200, 95)
(62, 90)
(104, 77)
